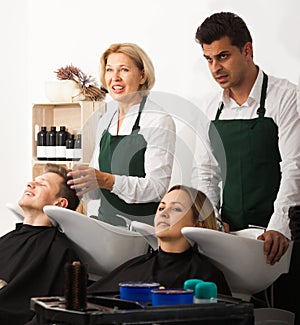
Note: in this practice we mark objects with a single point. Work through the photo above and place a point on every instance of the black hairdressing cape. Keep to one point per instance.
(32, 260)
(169, 269)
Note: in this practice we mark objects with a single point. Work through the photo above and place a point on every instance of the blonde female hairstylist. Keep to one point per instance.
(133, 157)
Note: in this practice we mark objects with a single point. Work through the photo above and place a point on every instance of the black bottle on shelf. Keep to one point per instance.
(70, 147)
(61, 138)
(51, 143)
(41, 144)
(78, 148)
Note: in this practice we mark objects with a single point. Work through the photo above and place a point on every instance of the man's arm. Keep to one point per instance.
(278, 232)
(206, 173)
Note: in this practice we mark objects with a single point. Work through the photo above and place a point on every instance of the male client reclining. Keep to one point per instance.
(32, 257)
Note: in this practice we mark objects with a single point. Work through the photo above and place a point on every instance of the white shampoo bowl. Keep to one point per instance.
(16, 210)
(241, 258)
(100, 245)
(147, 231)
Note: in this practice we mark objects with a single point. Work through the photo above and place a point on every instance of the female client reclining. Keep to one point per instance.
(176, 260)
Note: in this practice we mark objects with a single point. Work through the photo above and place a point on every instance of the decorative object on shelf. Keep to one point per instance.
(77, 86)
(63, 91)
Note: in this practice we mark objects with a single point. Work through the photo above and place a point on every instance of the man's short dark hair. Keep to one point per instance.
(64, 189)
(223, 24)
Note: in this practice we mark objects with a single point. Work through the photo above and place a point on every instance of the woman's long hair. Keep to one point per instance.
(201, 206)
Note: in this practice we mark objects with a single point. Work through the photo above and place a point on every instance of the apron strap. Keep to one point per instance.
(220, 108)
(261, 110)
(111, 121)
(136, 125)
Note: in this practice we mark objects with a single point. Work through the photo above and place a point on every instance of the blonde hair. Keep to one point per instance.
(201, 206)
(140, 58)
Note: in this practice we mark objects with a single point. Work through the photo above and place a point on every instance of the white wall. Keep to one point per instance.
(39, 36)
(15, 160)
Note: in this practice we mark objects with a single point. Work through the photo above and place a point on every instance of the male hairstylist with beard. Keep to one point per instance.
(257, 120)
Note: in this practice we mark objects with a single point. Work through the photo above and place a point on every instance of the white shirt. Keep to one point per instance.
(158, 129)
(281, 106)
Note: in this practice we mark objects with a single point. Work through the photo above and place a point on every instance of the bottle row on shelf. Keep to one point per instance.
(58, 145)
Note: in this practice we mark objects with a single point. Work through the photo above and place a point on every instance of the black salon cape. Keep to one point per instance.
(171, 270)
(32, 260)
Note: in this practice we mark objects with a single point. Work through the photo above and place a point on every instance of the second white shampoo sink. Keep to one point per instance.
(241, 258)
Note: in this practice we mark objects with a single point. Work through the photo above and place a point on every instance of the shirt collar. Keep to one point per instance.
(255, 92)
(254, 95)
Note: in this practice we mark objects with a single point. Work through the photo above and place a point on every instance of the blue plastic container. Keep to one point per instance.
(138, 291)
(172, 297)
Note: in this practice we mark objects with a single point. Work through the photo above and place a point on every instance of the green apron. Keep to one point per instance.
(251, 168)
(124, 155)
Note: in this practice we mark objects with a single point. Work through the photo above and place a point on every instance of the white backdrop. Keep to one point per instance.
(39, 36)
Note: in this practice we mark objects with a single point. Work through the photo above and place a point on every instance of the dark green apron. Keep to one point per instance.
(250, 168)
(124, 155)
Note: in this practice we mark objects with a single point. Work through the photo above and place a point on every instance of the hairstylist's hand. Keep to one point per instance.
(275, 245)
(226, 227)
(85, 179)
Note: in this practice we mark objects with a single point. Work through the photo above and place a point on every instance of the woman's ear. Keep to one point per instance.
(143, 78)
(200, 224)
(61, 202)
